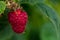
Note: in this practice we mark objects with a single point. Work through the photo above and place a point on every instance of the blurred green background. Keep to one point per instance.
(43, 22)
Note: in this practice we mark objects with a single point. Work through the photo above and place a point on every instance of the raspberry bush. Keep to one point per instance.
(29, 20)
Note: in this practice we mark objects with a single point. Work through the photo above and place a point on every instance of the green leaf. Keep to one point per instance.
(52, 16)
(2, 6)
(46, 11)
(48, 32)
(36, 19)
(6, 33)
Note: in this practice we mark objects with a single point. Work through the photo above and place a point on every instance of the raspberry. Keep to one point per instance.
(18, 20)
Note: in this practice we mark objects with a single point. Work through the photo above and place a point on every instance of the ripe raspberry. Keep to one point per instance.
(18, 20)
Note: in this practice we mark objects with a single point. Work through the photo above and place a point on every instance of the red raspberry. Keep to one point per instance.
(18, 20)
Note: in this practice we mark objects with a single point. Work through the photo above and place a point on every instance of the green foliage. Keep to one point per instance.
(2, 6)
(43, 22)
